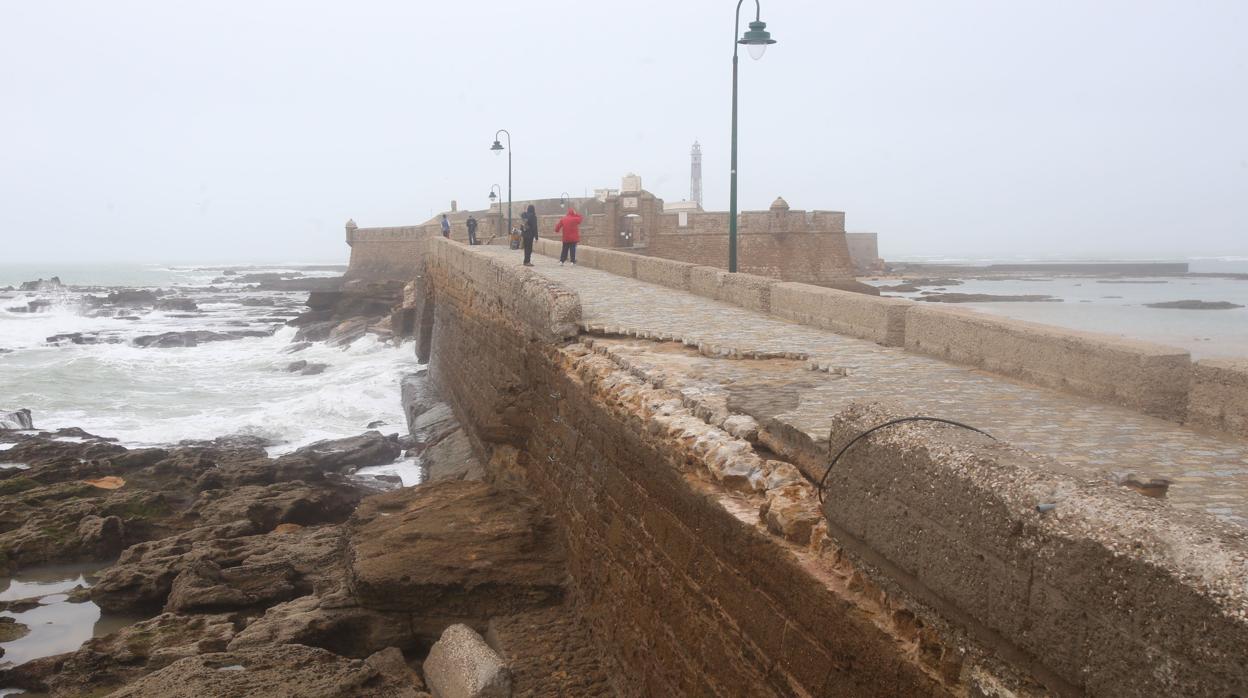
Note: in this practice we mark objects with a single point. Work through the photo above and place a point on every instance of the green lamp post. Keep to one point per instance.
(494, 197)
(498, 148)
(756, 41)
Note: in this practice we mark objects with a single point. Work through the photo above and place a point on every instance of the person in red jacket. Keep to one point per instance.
(570, 226)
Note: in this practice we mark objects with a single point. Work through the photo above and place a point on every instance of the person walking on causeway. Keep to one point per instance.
(570, 226)
(472, 229)
(530, 233)
(446, 227)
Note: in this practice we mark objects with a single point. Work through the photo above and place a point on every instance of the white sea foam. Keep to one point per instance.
(158, 396)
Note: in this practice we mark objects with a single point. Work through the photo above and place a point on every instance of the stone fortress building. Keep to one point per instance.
(782, 243)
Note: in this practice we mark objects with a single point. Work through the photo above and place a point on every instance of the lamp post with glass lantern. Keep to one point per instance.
(756, 41)
(494, 197)
(498, 148)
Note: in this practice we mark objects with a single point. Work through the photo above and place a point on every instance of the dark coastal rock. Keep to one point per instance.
(1194, 305)
(35, 306)
(188, 338)
(51, 284)
(332, 623)
(294, 366)
(900, 288)
(407, 547)
(204, 586)
(101, 538)
(451, 458)
(369, 448)
(315, 332)
(185, 305)
(306, 284)
(254, 302)
(191, 338)
(243, 561)
(108, 662)
(11, 630)
(133, 298)
(16, 420)
(83, 338)
(282, 670)
(985, 298)
(348, 331)
(313, 369)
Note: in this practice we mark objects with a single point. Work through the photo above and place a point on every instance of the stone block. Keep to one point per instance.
(1141, 375)
(462, 665)
(663, 272)
(705, 281)
(747, 290)
(881, 320)
(1219, 397)
(619, 263)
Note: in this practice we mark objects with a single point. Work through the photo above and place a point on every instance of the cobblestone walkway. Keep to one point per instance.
(1091, 439)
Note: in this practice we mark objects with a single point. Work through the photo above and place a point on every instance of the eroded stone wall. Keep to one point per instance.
(683, 590)
(929, 570)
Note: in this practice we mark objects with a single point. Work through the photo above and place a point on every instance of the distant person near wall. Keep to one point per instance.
(570, 226)
(446, 227)
(530, 233)
(514, 238)
(472, 230)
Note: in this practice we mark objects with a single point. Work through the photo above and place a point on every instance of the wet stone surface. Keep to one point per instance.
(1087, 438)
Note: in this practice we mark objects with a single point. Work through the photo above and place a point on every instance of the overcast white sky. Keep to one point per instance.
(250, 131)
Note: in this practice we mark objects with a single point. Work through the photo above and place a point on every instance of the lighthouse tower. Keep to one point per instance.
(695, 174)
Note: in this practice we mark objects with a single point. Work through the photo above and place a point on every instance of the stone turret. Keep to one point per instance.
(779, 205)
(351, 228)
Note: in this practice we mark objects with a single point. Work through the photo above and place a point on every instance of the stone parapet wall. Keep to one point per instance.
(1151, 378)
(881, 320)
(1148, 377)
(1219, 398)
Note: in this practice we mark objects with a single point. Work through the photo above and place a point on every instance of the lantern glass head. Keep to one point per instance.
(757, 39)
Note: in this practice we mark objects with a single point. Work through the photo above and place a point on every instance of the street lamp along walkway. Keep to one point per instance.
(756, 41)
(498, 149)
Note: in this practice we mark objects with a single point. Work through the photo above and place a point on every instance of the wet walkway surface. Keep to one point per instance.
(1089, 439)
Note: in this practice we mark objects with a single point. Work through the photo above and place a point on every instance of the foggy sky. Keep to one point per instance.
(235, 131)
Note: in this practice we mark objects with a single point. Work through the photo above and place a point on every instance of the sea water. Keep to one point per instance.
(154, 396)
(1118, 305)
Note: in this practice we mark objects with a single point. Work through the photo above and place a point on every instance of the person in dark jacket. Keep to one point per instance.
(530, 233)
(472, 230)
(446, 227)
(570, 226)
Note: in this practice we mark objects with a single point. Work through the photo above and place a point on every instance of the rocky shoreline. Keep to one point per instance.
(246, 569)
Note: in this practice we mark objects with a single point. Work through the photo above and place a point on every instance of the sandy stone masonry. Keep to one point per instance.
(1155, 379)
(674, 440)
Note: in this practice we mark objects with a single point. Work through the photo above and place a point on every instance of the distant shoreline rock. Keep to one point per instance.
(985, 298)
(1194, 305)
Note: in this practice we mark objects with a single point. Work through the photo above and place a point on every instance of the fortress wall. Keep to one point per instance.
(1148, 377)
(1219, 398)
(936, 575)
(684, 592)
(385, 253)
(814, 258)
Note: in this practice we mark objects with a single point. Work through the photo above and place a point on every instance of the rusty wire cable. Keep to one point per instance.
(823, 480)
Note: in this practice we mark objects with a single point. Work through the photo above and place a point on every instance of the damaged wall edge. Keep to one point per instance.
(1107, 593)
